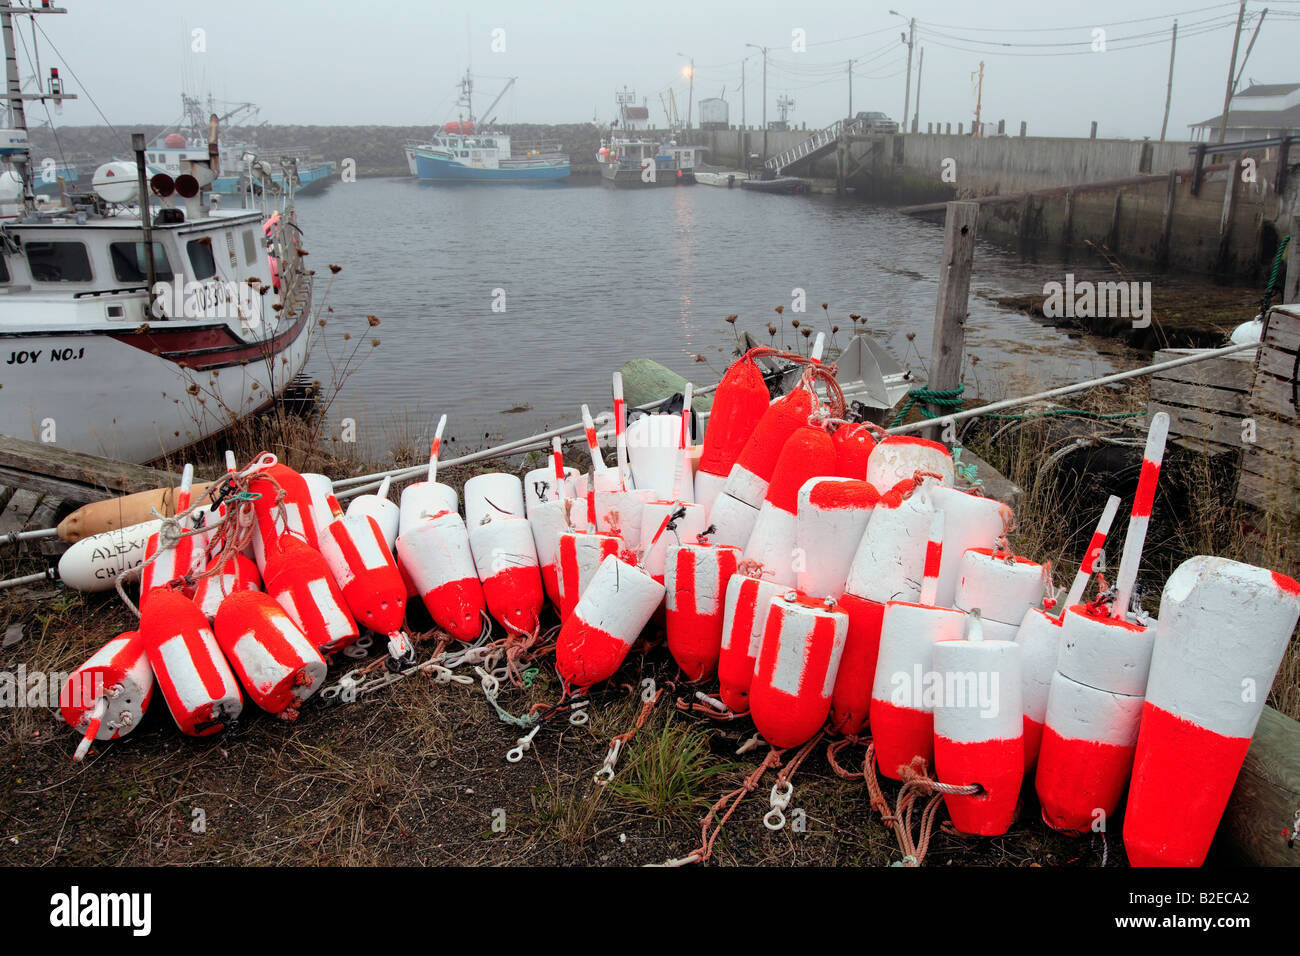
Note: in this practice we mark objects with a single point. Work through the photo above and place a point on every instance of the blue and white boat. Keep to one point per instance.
(464, 152)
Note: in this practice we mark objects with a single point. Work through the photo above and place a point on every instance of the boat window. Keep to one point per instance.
(250, 247)
(202, 261)
(4, 269)
(130, 265)
(58, 261)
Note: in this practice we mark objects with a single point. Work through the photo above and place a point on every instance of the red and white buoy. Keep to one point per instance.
(1221, 635)
(854, 444)
(193, 676)
(358, 557)
(889, 564)
(626, 481)
(105, 697)
(743, 621)
(901, 456)
(492, 496)
(386, 513)
(790, 697)
(506, 559)
(436, 555)
(423, 499)
(181, 558)
(275, 662)
(274, 518)
(903, 693)
(319, 489)
(606, 478)
(579, 556)
(1001, 586)
(978, 730)
(227, 576)
(675, 517)
(808, 453)
(300, 581)
(696, 578)
(739, 403)
(546, 495)
(653, 449)
(832, 517)
(735, 510)
(608, 618)
(969, 521)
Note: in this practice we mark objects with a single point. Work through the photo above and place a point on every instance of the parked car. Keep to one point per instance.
(875, 122)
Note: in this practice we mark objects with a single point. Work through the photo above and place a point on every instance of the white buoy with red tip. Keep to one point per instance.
(790, 697)
(1001, 586)
(183, 557)
(969, 521)
(105, 697)
(228, 575)
(547, 503)
(426, 498)
(436, 555)
(739, 403)
(274, 518)
(696, 578)
(580, 554)
(606, 478)
(319, 489)
(744, 619)
(1089, 562)
(626, 480)
(492, 496)
(903, 692)
(901, 456)
(676, 517)
(831, 518)
(979, 731)
(772, 544)
(607, 620)
(358, 557)
(300, 581)
(277, 665)
(506, 559)
(192, 674)
(891, 561)
(1223, 627)
(386, 514)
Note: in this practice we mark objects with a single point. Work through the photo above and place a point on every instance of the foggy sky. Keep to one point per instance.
(396, 62)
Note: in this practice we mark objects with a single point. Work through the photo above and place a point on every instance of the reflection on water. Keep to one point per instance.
(591, 277)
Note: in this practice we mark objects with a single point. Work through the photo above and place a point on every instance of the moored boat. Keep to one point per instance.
(720, 177)
(779, 184)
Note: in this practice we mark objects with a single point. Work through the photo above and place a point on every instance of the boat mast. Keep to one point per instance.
(15, 94)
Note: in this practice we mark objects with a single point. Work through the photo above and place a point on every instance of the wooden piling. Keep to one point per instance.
(948, 344)
(1067, 226)
(1167, 221)
(1225, 215)
(1112, 237)
(1292, 287)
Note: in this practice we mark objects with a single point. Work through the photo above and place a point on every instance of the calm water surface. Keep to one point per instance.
(591, 277)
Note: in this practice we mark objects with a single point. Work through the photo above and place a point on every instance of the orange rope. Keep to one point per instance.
(707, 839)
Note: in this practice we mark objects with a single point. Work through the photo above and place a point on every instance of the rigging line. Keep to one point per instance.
(1088, 26)
(76, 79)
(1133, 36)
(58, 144)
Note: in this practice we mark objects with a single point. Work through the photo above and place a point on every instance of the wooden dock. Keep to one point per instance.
(1270, 463)
(1206, 402)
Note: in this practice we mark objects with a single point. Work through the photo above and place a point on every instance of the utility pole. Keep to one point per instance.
(1169, 88)
(1250, 46)
(764, 49)
(916, 117)
(907, 94)
(850, 113)
(979, 100)
(742, 94)
(1232, 70)
(690, 95)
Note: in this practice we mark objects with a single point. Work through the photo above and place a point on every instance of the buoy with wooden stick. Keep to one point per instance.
(105, 697)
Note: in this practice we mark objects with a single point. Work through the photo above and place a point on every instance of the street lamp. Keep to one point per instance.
(689, 71)
(764, 52)
(908, 39)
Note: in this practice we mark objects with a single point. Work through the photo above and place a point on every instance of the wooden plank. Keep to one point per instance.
(1276, 438)
(1293, 263)
(1201, 397)
(101, 477)
(1200, 426)
(17, 513)
(1278, 363)
(949, 340)
(1272, 395)
(1266, 494)
(1226, 372)
(1283, 329)
(1266, 797)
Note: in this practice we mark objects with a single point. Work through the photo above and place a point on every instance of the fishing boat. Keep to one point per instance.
(467, 151)
(720, 177)
(131, 331)
(634, 162)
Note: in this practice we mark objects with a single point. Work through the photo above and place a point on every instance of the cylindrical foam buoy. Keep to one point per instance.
(807, 453)
(1039, 638)
(744, 618)
(386, 513)
(275, 662)
(493, 496)
(696, 578)
(94, 563)
(733, 520)
(200, 689)
(979, 733)
(739, 403)
(437, 556)
(358, 557)
(620, 513)
(296, 517)
(749, 477)
(595, 639)
(184, 558)
(579, 555)
(790, 696)
(424, 500)
(1001, 586)
(540, 486)
(120, 674)
(969, 521)
(237, 573)
(506, 559)
(301, 582)
(319, 489)
(854, 444)
(901, 456)
(888, 564)
(1093, 710)
(656, 536)
(902, 711)
(548, 520)
(654, 449)
(1223, 627)
(831, 518)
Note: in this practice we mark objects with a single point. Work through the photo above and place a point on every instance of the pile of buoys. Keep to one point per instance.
(828, 576)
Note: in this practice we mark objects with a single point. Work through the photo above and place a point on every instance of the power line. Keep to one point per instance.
(1089, 52)
(1086, 26)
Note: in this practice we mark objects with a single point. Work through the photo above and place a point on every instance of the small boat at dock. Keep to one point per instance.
(720, 177)
(780, 184)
